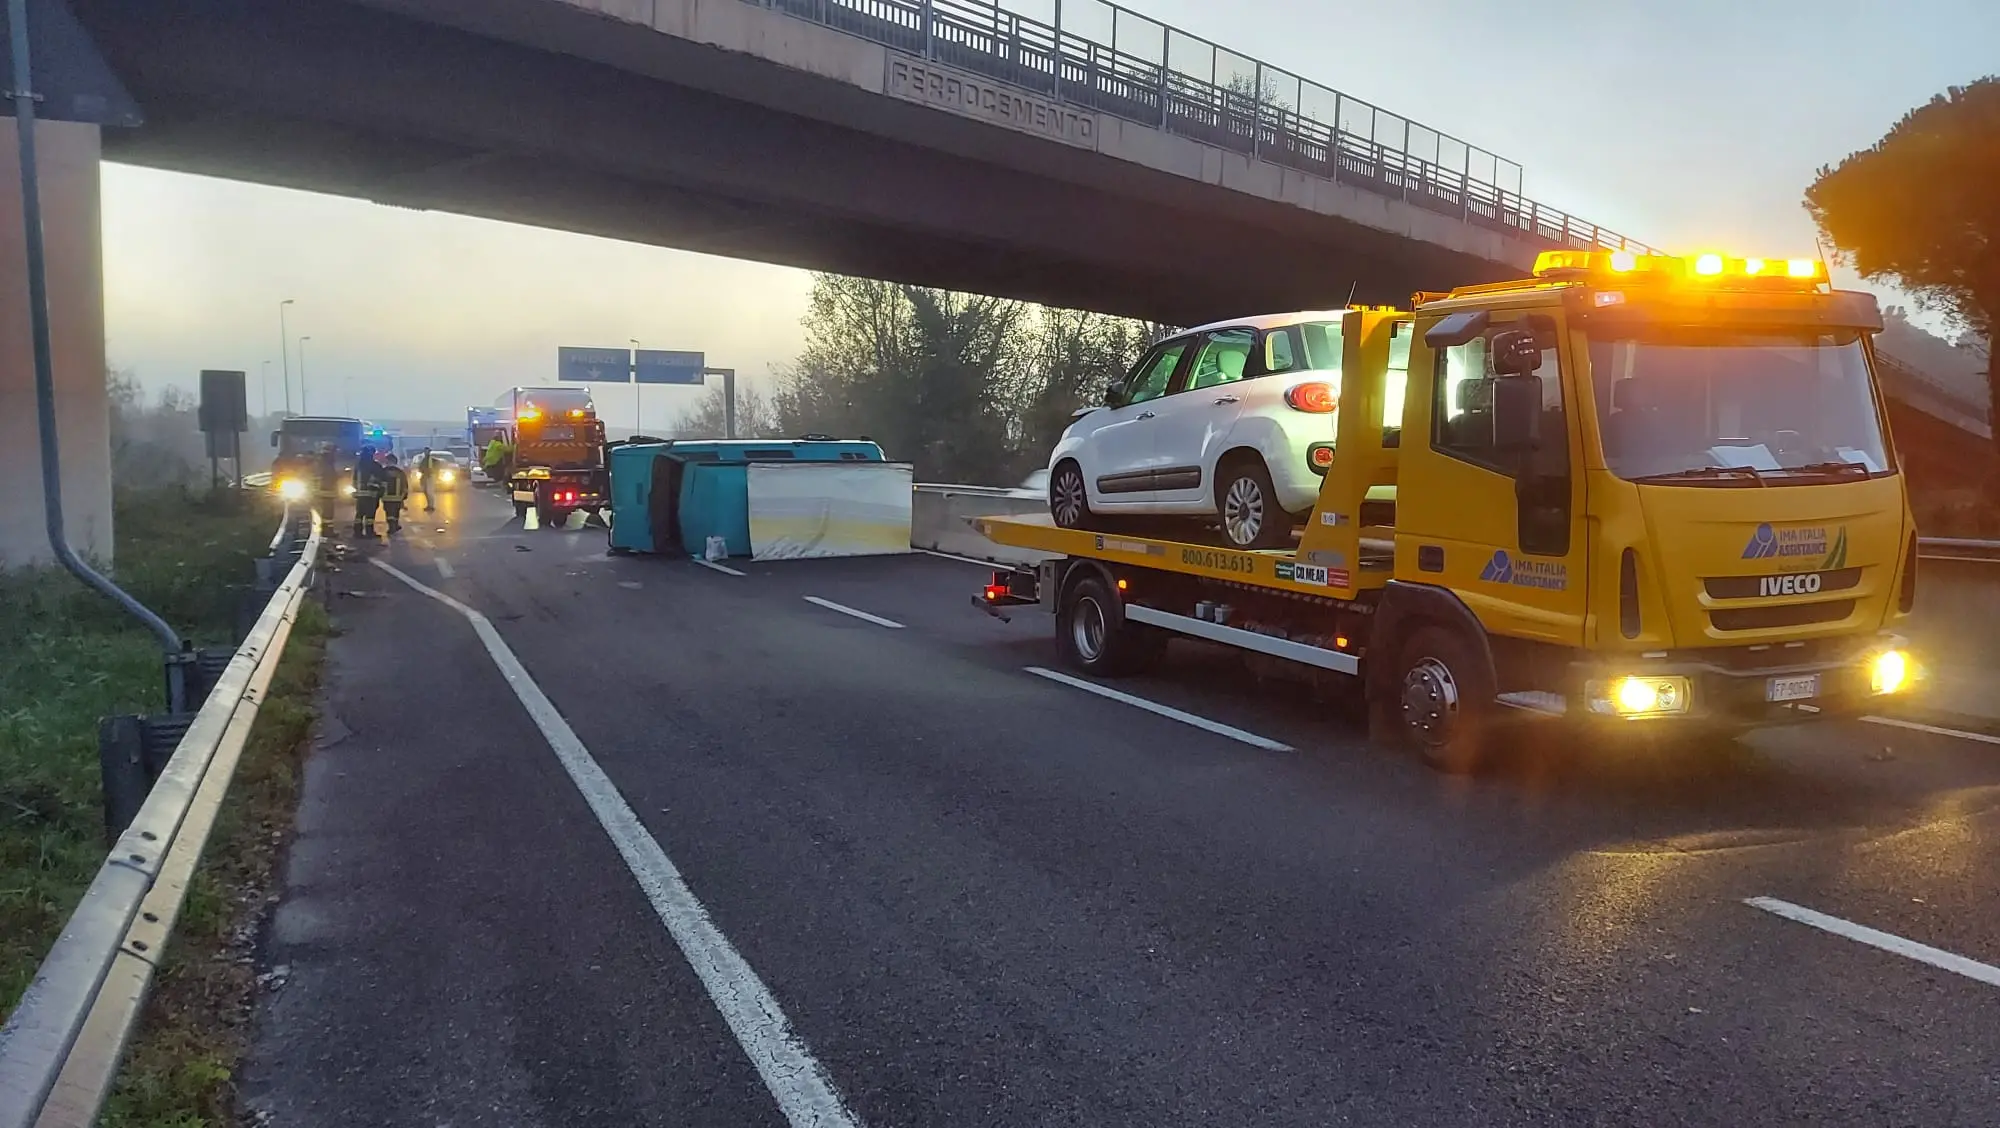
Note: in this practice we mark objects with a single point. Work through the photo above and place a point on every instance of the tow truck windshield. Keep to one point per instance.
(1726, 408)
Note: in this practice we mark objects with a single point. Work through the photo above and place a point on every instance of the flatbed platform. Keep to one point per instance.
(1318, 572)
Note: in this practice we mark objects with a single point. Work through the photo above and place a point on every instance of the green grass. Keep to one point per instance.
(74, 657)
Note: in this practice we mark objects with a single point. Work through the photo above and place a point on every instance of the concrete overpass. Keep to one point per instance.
(942, 142)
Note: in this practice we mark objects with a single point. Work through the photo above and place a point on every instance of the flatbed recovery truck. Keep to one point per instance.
(1642, 494)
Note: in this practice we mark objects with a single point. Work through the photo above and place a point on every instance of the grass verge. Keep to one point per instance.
(75, 658)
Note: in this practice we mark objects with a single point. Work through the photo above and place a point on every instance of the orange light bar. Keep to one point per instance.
(1708, 268)
(531, 413)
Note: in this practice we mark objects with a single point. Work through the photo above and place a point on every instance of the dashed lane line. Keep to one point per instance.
(846, 610)
(1168, 711)
(1886, 941)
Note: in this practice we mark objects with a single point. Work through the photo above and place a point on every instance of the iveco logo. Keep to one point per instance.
(1805, 583)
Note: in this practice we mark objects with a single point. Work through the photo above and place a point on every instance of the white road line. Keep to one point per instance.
(964, 559)
(794, 1077)
(443, 567)
(713, 566)
(1888, 942)
(1216, 727)
(878, 620)
(1983, 738)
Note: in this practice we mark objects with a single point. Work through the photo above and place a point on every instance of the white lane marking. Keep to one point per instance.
(1216, 727)
(723, 568)
(1983, 738)
(878, 620)
(794, 1077)
(1888, 942)
(965, 559)
(443, 567)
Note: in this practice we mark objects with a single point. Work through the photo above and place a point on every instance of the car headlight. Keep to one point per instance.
(347, 490)
(291, 489)
(1888, 671)
(1641, 695)
(446, 476)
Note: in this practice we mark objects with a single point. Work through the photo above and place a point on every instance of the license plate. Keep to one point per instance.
(1792, 689)
(529, 495)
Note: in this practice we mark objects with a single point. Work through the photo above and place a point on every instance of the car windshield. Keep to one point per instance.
(1705, 407)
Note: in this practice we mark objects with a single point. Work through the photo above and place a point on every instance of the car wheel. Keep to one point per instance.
(1069, 501)
(1248, 505)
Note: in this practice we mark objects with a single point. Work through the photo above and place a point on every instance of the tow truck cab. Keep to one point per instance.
(558, 459)
(1632, 486)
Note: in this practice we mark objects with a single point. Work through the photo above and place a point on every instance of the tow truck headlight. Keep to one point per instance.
(1888, 671)
(1641, 695)
(291, 489)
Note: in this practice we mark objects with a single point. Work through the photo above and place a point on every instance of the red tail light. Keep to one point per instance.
(995, 592)
(1315, 397)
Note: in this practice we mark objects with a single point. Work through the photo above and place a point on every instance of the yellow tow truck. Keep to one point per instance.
(1647, 493)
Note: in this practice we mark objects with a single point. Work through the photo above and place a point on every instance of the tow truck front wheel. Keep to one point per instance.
(1444, 701)
(1095, 638)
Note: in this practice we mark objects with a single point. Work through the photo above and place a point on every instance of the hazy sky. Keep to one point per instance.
(1689, 124)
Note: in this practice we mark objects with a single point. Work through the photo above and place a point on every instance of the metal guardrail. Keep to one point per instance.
(61, 1047)
(1157, 75)
(1952, 548)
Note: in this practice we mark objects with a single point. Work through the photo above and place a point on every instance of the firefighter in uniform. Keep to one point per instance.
(367, 492)
(395, 491)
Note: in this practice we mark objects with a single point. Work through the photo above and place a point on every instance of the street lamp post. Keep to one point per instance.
(638, 417)
(285, 353)
(264, 384)
(302, 375)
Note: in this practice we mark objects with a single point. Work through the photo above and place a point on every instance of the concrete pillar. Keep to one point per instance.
(73, 230)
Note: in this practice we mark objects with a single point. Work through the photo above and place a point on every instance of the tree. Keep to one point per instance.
(1920, 209)
(705, 419)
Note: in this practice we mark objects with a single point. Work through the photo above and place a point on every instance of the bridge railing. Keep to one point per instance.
(1114, 61)
(61, 1047)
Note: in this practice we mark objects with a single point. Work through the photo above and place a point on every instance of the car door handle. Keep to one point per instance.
(1225, 399)
(1144, 415)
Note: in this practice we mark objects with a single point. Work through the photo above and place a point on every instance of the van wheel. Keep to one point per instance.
(1444, 701)
(1247, 503)
(1094, 637)
(1069, 501)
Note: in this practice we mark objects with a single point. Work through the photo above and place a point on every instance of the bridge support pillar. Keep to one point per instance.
(73, 232)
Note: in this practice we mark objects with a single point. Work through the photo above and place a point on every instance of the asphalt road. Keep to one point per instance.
(980, 896)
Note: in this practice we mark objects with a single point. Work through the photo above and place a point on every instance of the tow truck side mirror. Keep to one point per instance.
(1517, 412)
(274, 438)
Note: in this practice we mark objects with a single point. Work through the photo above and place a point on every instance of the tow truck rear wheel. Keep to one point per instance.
(1095, 638)
(1444, 701)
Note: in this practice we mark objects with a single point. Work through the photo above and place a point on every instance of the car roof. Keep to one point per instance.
(1267, 320)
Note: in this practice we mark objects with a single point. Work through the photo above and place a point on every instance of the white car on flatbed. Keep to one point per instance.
(1231, 422)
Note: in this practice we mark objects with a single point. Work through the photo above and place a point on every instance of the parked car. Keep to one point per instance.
(1219, 423)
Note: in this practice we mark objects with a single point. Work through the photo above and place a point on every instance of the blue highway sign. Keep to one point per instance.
(668, 366)
(595, 366)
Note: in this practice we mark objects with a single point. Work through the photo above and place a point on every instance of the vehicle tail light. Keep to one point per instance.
(1322, 456)
(1316, 397)
(995, 592)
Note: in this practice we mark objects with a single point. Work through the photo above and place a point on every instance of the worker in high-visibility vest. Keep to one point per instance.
(367, 492)
(395, 491)
(497, 453)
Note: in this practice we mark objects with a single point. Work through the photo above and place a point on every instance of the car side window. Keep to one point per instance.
(1223, 356)
(1278, 351)
(1150, 379)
